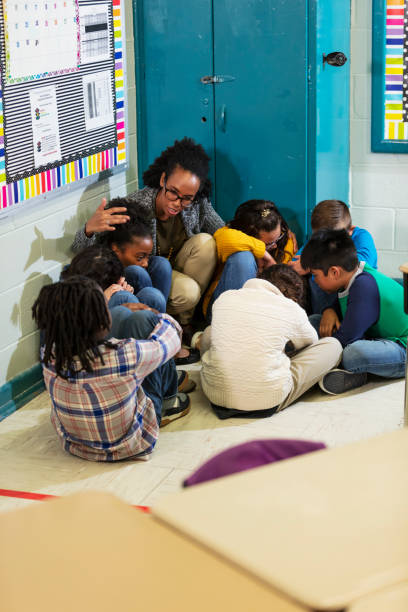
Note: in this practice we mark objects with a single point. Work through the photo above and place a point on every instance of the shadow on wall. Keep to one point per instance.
(59, 249)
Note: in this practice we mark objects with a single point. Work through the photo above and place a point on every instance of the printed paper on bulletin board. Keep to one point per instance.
(62, 114)
(390, 76)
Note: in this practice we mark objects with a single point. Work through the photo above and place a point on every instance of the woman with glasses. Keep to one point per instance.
(183, 222)
(256, 238)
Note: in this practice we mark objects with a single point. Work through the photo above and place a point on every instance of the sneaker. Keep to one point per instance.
(338, 381)
(174, 408)
(184, 384)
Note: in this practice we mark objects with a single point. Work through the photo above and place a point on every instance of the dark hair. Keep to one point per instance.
(186, 154)
(330, 214)
(96, 262)
(328, 248)
(134, 209)
(256, 215)
(72, 314)
(286, 280)
(137, 227)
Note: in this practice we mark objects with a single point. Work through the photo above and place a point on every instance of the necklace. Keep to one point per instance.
(170, 252)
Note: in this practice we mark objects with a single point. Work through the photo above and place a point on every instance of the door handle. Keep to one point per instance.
(217, 78)
(336, 58)
(223, 118)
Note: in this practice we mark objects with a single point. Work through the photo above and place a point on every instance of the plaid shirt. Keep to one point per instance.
(104, 415)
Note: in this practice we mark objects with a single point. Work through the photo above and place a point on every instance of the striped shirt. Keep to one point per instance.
(104, 415)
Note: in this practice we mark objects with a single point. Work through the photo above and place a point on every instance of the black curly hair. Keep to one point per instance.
(73, 317)
(286, 280)
(187, 154)
(97, 262)
(253, 216)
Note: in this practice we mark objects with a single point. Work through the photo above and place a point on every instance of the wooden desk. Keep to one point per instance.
(325, 528)
(91, 552)
(404, 270)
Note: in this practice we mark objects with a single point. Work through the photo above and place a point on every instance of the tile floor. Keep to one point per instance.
(31, 458)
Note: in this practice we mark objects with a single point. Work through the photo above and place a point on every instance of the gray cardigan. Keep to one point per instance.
(199, 217)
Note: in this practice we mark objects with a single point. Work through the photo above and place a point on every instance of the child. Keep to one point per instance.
(257, 237)
(335, 214)
(104, 266)
(367, 318)
(246, 370)
(107, 396)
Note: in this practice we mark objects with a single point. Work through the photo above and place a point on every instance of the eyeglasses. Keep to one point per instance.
(173, 196)
(275, 242)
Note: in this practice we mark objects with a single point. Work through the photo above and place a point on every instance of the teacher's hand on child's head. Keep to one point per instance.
(297, 266)
(329, 323)
(105, 219)
(265, 262)
(139, 306)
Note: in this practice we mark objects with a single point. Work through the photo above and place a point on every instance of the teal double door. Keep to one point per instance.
(246, 79)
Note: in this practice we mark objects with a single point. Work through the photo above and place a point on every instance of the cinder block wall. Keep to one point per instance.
(35, 242)
(379, 181)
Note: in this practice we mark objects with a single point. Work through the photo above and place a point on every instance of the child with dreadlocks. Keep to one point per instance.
(260, 353)
(108, 397)
(257, 237)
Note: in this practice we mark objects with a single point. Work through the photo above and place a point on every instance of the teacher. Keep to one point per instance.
(177, 194)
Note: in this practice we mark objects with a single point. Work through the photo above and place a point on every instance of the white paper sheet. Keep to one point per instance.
(41, 38)
(98, 102)
(44, 118)
(95, 33)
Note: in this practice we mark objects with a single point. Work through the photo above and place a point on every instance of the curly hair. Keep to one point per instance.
(134, 210)
(287, 281)
(186, 154)
(73, 316)
(97, 262)
(253, 216)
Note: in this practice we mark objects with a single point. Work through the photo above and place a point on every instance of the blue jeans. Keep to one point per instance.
(238, 268)
(157, 274)
(162, 382)
(380, 357)
(149, 295)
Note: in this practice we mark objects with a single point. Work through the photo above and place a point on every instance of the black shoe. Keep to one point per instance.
(185, 385)
(174, 408)
(339, 381)
(193, 357)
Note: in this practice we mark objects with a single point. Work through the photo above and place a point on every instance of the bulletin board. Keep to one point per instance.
(62, 94)
(389, 122)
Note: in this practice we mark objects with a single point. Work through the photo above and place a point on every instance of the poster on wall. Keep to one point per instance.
(62, 94)
(389, 122)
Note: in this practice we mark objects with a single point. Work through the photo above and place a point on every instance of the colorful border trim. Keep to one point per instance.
(45, 182)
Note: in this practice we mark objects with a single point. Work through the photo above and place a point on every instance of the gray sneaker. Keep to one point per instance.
(174, 408)
(339, 381)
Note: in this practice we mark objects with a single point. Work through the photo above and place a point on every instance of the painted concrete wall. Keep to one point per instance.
(379, 181)
(35, 243)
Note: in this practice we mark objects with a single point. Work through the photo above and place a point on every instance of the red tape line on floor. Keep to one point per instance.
(43, 497)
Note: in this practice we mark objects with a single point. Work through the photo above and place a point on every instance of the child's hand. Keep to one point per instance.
(134, 307)
(111, 290)
(329, 322)
(297, 266)
(105, 219)
(265, 262)
(125, 286)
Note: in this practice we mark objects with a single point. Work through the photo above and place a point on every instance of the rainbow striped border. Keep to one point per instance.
(44, 182)
(394, 126)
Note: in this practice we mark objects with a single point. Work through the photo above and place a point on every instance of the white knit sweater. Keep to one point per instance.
(246, 367)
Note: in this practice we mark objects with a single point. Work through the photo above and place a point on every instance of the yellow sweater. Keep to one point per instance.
(231, 241)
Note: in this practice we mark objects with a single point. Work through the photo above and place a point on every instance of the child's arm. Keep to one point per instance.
(305, 333)
(231, 241)
(365, 246)
(363, 310)
(163, 343)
